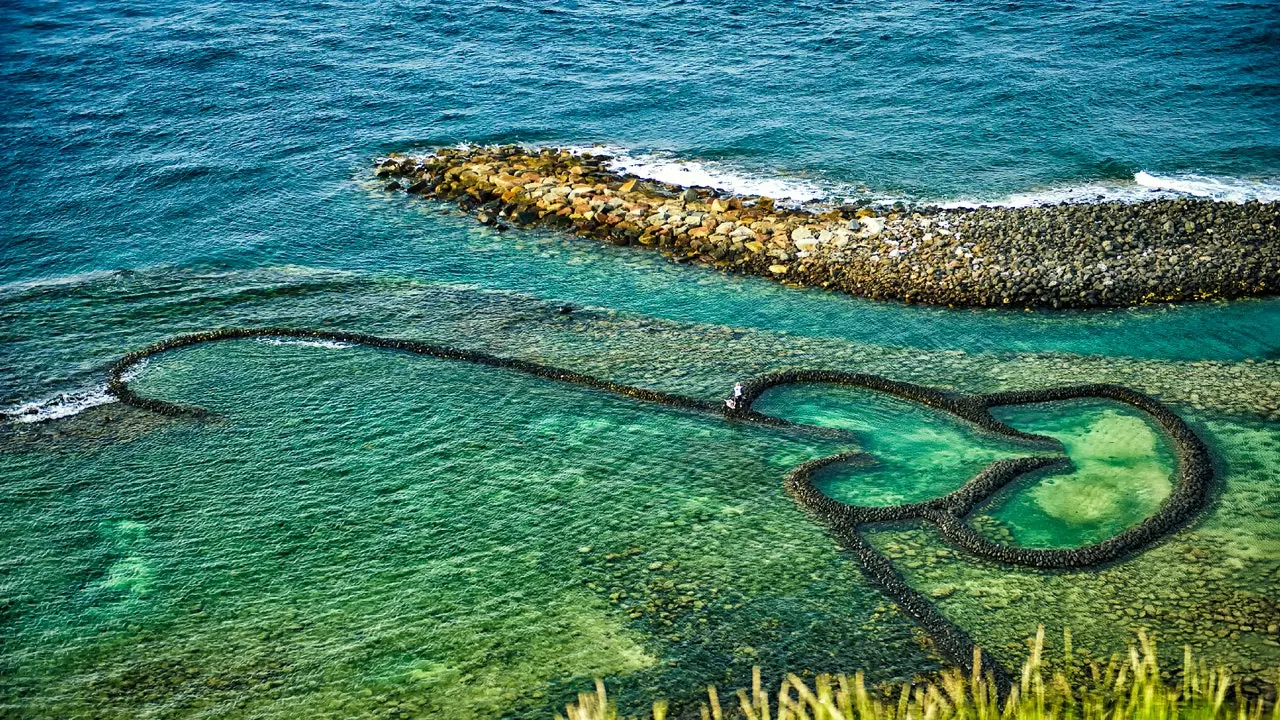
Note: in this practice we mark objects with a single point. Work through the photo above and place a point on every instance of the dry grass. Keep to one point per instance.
(1126, 688)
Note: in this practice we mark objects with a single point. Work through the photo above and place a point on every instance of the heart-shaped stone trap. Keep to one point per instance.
(950, 513)
(1119, 474)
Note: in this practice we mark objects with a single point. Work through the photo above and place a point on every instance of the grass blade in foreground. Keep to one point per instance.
(1127, 688)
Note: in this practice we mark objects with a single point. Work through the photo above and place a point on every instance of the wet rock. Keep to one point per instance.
(1107, 254)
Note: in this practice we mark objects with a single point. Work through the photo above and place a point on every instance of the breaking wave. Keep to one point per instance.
(63, 404)
(724, 176)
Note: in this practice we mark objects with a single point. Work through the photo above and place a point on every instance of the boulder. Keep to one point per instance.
(872, 226)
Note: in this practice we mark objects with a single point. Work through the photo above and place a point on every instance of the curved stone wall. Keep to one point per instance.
(947, 513)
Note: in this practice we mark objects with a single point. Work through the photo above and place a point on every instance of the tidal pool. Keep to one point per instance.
(1121, 464)
(1122, 471)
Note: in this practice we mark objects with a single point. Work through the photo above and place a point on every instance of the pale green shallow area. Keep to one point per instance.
(1121, 466)
(1122, 470)
(916, 453)
(363, 531)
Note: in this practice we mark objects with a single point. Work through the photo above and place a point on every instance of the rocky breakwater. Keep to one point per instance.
(1091, 255)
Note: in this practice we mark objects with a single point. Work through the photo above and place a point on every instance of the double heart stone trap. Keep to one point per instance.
(1194, 469)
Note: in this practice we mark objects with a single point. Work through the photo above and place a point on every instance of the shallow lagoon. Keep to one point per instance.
(360, 530)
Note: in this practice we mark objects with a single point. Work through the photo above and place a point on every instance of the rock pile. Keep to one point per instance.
(1110, 254)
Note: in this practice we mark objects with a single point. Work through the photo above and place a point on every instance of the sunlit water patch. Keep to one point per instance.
(362, 532)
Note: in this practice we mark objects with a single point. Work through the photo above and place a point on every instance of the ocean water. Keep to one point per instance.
(357, 533)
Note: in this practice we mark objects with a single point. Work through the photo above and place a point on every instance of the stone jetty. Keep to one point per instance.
(1077, 255)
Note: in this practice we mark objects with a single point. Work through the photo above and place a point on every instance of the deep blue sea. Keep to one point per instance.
(369, 535)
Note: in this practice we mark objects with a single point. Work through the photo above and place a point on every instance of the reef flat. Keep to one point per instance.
(948, 513)
(1070, 255)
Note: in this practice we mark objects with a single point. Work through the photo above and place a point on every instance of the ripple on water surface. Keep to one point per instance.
(359, 529)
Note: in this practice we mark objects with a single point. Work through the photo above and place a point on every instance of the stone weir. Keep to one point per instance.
(1078, 255)
(949, 514)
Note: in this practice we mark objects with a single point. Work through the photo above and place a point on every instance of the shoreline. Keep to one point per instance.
(1060, 256)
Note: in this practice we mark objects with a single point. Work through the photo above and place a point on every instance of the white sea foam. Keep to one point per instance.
(715, 175)
(796, 190)
(1145, 186)
(62, 405)
(74, 402)
(330, 344)
(1205, 186)
(66, 404)
(667, 168)
(1073, 194)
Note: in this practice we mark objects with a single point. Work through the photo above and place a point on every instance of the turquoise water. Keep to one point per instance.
(1121, 466)
(917, 453)
(362, 534)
